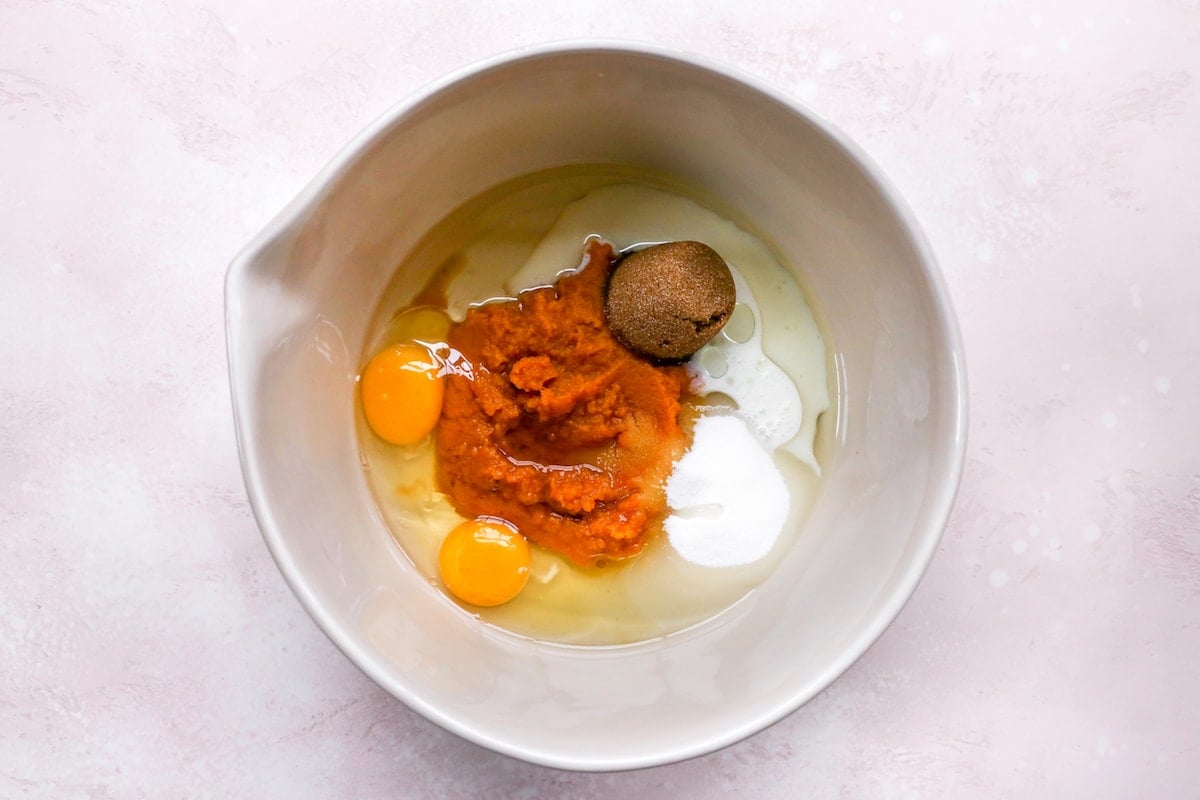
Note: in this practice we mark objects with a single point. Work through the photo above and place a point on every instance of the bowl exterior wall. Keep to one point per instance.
(300, 296)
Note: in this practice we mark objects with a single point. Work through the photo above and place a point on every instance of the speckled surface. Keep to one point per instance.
(149, 647)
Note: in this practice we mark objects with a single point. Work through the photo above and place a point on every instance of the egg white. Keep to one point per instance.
(775, 374)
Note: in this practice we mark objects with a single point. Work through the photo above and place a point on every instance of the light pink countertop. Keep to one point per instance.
(149, 647)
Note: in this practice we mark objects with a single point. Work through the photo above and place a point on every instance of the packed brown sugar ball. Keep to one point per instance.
(668, 301)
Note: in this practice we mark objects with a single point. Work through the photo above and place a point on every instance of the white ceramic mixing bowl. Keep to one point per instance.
(299, 299)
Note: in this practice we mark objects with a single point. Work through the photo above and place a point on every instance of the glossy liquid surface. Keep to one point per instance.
(521, 235)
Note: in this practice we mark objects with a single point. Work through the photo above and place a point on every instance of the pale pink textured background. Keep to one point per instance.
(148, 646)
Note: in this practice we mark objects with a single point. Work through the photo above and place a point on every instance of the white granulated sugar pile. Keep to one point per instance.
(729, 502)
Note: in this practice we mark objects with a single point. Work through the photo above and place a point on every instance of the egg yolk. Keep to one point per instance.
(402, 393)
(484, 562)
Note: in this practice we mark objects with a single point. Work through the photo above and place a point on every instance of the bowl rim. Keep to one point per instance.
(935, 510)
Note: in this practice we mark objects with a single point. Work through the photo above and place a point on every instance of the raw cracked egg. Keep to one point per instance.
(484, 562)
(402, 393)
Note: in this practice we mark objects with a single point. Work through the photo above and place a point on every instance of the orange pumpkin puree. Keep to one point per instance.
(560, 429)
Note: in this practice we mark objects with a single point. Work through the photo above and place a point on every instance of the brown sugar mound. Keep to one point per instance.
(668, 301)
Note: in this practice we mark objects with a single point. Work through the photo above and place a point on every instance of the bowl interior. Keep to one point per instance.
(299, 301)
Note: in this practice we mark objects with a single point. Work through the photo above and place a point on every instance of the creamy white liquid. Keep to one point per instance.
(523, 236)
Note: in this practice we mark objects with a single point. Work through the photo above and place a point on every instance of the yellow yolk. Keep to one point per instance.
(402, 393)
(484, 562)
